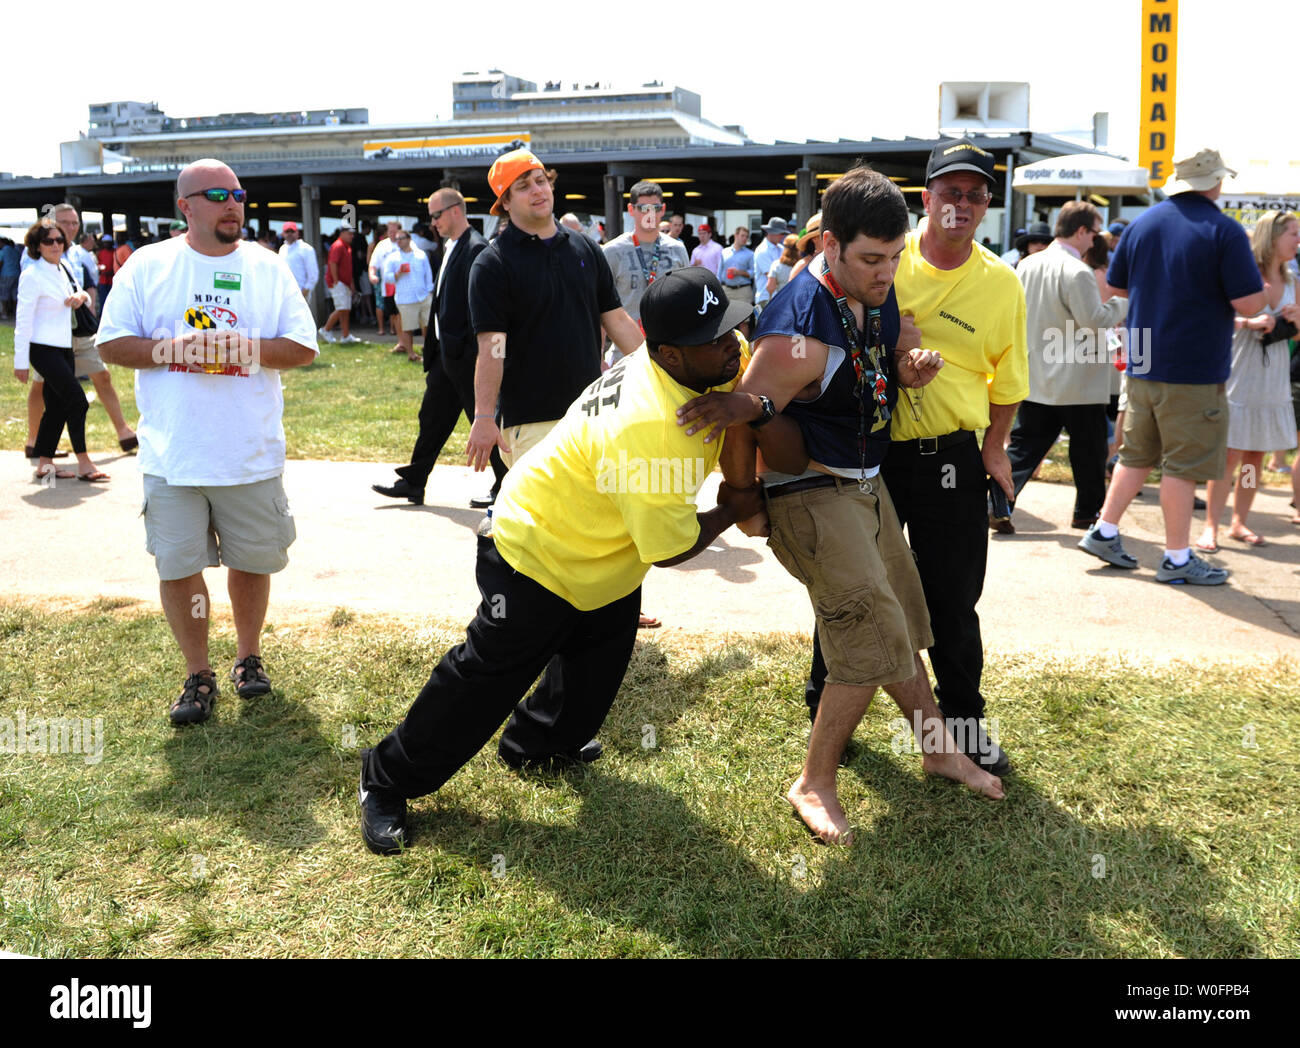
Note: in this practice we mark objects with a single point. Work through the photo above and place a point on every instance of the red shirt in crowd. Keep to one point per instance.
(104, 256)
(341, 256)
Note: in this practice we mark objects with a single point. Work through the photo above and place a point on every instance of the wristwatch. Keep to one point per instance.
(768, 412)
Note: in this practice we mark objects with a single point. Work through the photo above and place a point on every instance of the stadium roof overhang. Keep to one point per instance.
(700, 179)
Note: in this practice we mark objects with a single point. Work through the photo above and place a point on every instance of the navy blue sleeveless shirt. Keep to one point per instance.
(830, 422)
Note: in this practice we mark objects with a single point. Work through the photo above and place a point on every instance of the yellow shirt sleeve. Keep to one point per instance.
(1010, 380)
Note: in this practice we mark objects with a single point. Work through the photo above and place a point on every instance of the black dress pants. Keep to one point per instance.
(447, 391)
(65, 401)
(1036, 430)
(521, 628)
(440, 409)
(942, 502)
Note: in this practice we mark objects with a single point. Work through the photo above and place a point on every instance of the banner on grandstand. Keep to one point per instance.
(485, 146)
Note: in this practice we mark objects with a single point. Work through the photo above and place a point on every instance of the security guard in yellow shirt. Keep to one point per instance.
(581, 519)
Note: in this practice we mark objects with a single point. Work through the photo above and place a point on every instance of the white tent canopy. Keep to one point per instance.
(1279, 178)
(1081, 173)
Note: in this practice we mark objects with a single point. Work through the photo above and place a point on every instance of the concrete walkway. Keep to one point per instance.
(361, 551)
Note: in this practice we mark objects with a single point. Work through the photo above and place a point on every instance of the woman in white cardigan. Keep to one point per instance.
(47, 294)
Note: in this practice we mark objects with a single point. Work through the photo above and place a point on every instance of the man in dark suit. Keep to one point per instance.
(450, 349)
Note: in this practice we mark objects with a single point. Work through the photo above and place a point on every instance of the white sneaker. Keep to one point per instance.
(326, 336)
(349, 340)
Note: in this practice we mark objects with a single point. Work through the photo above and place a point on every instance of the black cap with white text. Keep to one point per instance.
(689, 307)
(960, 155)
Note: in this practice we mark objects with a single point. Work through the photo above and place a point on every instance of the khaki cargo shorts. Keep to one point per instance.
(1181, 427)
(247, 527)
(848, 548)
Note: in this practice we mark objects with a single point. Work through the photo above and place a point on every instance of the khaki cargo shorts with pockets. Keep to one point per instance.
(247, 527)
(847, 547)
(1181, 427)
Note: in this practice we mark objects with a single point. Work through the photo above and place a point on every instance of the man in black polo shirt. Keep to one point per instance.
(538, 298)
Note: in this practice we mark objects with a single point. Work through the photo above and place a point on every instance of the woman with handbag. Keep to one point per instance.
(48, 294)
(1260, 416)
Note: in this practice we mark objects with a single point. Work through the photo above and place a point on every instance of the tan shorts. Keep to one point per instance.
(1181, 427)
(86, 362)
(247, 527)
(341, 296)
(416, 315)
(522, 438)
(848, 549)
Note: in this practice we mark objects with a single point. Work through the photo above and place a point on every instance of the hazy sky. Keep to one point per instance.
(833, 69)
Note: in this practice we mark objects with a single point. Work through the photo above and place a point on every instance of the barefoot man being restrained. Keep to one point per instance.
(829, 353)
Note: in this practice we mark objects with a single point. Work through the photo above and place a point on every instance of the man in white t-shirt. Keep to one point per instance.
(209, 322)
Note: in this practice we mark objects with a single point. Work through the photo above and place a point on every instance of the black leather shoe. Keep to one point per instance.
(482, 501)
(1002, 525)
(554, 761)
(1083, 523)
(972, 740)
(401, 490)
(383, 817)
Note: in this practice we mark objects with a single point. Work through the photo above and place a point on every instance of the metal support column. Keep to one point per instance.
(310, 235)
(805, 197)
(1014, 214)
(613, 206)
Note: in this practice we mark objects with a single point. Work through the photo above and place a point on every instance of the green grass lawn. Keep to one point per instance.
(356, 403)
(1136, 824)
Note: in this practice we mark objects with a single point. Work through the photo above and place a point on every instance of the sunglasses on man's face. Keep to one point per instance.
(220, 196)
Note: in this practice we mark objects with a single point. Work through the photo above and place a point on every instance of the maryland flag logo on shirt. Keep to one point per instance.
(211, 317)
(198, 318)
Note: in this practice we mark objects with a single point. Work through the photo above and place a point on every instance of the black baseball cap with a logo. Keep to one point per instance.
(960, 155)
(689, 307)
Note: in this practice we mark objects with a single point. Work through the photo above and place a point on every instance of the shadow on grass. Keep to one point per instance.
(259, 764)
(937, 875)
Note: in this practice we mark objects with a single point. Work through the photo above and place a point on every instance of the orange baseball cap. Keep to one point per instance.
(505, 169)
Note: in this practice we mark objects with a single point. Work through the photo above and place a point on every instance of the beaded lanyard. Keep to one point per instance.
(647, 272)
(871, 379)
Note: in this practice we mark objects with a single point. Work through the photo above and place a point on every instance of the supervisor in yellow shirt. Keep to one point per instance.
(580, 520)
(970, 307)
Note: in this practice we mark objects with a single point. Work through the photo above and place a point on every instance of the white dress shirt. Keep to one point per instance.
(302, 261)
(448, 247)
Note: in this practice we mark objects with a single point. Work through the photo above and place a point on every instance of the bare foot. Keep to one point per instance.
(960, 768)
(1208, 542)
(821, 812)
(648, 622)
